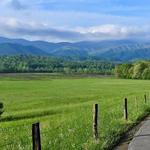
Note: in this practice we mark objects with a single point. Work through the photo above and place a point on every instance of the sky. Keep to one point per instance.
(75, 20)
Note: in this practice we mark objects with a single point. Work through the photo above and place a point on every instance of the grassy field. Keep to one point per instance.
(63, 105)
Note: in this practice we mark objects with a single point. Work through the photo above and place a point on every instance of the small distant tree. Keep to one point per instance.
(1, 108)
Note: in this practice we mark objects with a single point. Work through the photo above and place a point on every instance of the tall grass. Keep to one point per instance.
(64, 109)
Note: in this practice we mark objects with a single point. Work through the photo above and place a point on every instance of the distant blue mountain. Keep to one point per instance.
(113, 50)
(17, 49)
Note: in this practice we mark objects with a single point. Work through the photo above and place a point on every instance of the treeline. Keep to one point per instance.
(136, 70)
(23, 64)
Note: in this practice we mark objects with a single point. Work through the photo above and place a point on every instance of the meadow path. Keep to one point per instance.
(141, 140)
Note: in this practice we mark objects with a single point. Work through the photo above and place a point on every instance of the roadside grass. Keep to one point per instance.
(64, 109)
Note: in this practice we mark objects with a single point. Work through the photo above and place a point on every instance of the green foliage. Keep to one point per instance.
(146, 73)
(137, 70)
(124, 71)
(9, 64)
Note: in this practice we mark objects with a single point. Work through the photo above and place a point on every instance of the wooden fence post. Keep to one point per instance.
(95, 121)
(126, 109)
(145, 98)
(136, 104)
(36, 136)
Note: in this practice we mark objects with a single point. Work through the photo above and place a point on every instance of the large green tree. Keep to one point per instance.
(136, 70)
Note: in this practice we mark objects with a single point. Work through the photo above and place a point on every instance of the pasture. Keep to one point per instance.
(63, 105)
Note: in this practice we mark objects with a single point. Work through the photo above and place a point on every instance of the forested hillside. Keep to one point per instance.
(109, 50)
(24, 63)
(136, 70)
(17, 49)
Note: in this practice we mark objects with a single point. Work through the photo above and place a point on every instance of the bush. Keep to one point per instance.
(1, 108)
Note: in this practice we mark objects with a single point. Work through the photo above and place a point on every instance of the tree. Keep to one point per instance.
(123, 70)
(138, 70)
(27, 63)
(146, 73)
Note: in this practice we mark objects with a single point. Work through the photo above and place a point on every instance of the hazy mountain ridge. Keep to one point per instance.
(17, 49)
(113, 50)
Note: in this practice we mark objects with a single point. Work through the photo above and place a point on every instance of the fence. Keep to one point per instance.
(36, 135)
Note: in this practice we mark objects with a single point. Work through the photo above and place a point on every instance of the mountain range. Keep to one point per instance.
(111, 50)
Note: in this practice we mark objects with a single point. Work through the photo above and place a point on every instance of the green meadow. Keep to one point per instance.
(63, 106)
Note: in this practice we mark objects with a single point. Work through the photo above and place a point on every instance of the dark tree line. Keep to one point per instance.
(136, 70)
(18, 64)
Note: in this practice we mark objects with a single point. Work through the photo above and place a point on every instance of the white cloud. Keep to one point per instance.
(114, 30)
(56, 25)
(15, 28)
